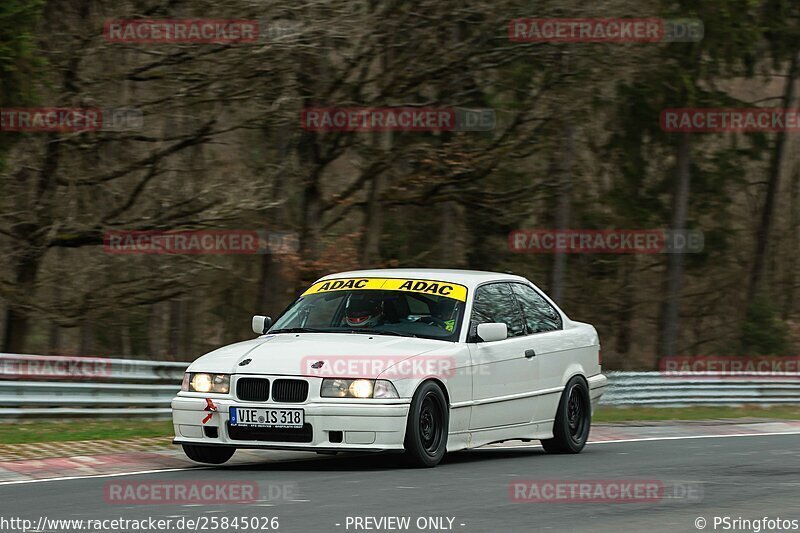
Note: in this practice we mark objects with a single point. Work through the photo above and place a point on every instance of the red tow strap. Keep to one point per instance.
(209, 407)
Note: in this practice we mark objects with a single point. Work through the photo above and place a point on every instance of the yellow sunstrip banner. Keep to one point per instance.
(423, 286)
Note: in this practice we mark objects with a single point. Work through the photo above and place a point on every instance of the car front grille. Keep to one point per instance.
(252, 389)
(290, 390)
(304, 434)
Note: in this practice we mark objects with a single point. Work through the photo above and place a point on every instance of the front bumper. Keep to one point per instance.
(363, 426)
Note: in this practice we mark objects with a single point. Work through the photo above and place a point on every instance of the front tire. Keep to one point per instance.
(427, 426)
(213, 455)
(573, 419)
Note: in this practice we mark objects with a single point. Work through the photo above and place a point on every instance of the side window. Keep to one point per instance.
(495, 303)
(539, 314)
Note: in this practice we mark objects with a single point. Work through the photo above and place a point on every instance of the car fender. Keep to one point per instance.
(449, 365)
(572, 370)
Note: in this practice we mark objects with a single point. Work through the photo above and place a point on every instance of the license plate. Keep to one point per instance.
(266, 418)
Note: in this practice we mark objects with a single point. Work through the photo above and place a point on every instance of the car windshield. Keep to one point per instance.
(410, 308)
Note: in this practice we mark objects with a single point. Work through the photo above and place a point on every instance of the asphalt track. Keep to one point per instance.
(748, 477)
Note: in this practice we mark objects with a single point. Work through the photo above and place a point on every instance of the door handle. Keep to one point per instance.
(530, 353)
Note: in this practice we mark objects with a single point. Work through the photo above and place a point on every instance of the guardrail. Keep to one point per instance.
(65, 368)
(52, 386)
(659, 389)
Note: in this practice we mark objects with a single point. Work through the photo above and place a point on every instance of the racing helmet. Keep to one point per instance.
(363, 310)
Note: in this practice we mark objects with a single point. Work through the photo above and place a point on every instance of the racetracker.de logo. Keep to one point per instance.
(603, 491)
(710, 120)
(611, 241)
(605, 30)
(183, 492)
(714, 366)
(216, 31)
(200, 242)
(360, 119)
(385, 367)
(70, 119)
(53, 367)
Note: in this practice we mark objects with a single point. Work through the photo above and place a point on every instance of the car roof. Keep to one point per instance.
(468, 278)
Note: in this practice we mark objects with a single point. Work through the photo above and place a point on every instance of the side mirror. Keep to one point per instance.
(492, 331)
(261, 324)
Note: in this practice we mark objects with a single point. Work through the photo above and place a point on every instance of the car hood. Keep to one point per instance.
(291, 354)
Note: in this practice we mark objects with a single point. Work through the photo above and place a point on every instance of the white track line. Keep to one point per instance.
(645, 439)
(118, 474)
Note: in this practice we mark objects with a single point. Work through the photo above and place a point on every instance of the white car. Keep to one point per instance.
(418, 361)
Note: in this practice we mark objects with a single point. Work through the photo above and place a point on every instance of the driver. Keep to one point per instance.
(364, 311)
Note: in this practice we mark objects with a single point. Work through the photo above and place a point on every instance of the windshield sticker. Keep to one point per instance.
(423, 286)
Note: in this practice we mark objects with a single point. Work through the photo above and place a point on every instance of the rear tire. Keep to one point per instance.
(427, 426)
(213, 455)
(573, 419)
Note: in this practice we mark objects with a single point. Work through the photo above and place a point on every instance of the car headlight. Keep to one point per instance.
(204, 382)
(357, 388)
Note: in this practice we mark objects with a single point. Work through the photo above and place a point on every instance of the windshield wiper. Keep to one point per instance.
(299, 330)
(362, 331)
(380, 332)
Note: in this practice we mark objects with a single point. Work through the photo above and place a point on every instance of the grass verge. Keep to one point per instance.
(607, 414)
(82, 429)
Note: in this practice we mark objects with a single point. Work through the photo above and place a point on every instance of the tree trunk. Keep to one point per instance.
(773, 185)
(87, 340)
(2, 322)
(156, 330)
(625, 313)
(451, 252)
(311, 207)
(312, 160)
(373, 222)
(563, 209)
(176, 310)
(125, 339)
(54, 341)
(674, 277)
(273, 284)
(27, 268)
(793, 248)
(17, 322)
(310, 227)
(188, 319)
